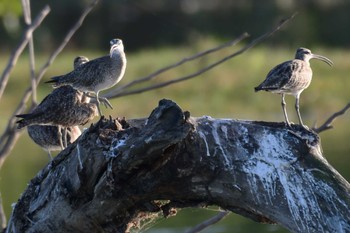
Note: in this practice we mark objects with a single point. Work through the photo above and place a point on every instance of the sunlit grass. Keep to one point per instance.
(224, 92)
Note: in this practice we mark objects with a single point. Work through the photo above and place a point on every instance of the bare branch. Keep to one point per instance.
(28, 21)
(328, 123)
(167, 83)
(258, 174)
(3, 220)
(67, 38)
(183, 61)
(114, 94)
(17, 52)
(10, 136)
(209, 222)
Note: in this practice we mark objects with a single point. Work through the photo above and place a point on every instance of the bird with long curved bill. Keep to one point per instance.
(291, 78)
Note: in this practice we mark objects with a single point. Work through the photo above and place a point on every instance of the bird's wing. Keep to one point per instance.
(93, 68)
(279, 76)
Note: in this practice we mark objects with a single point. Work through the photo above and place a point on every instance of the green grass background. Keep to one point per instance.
(227, 91)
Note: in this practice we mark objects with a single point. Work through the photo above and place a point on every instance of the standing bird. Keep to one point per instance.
(291, 78)
(62, 108)
(98, 74)
(86, 97)
(47, 136)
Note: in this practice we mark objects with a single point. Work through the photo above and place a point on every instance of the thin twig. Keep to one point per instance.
(10, 136)
(113, 94)
(67, 38)
(328, 123)
(211, 221)
(2, 215)
(184, 60)
(28, 21)
(17, 52)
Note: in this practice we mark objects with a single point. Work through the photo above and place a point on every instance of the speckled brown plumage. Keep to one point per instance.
(62, 107)
(98, 74)
(291, 77)
(48, 137)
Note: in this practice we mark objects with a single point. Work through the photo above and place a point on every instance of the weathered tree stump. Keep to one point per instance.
(119, 173)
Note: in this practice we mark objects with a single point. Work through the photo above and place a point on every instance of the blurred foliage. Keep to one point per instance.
(145, 23)
(10, 12)
(10, 7)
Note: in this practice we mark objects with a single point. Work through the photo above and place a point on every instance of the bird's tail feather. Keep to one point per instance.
(56, 81)
(21, 123)
(27, 120)
(258, 88)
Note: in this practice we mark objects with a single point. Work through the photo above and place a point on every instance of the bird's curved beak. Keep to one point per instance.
(322, 58)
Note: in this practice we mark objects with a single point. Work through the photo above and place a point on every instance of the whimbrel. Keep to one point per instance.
(62, 108)
(47, 136)
(98, 74)
(291, 78)
(86, 97)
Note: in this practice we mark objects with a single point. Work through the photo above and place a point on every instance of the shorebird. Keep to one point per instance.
(62, 108)
(291, 78)
(98, 74)
(86, 97)
(47, 136)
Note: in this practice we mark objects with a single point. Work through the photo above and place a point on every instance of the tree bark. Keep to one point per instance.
(119, 174)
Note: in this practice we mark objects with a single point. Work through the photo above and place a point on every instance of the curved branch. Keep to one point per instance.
(328, 123)
(209, 222)
(118, 174)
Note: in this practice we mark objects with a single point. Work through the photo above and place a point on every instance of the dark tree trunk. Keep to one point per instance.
(118, 174)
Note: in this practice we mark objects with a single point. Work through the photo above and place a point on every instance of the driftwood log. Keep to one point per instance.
(121, 173)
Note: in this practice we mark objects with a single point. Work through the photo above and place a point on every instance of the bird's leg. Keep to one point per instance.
(79, 158)
(50, 156)
(285, 111)
(98, 104)
(89, 95)
(65, 137)
(298, 112)
(60, 137)
(105, 101)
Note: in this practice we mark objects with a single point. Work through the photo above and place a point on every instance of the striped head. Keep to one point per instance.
(116, 44)
(305, 55)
